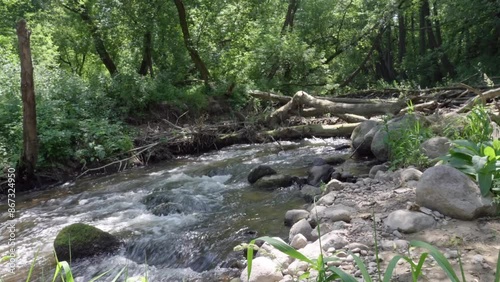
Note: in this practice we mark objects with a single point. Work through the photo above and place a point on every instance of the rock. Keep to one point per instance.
(332, 239)
(309, 193)
(380, 145)
(301, 227)
(335, 160)
(324, 227)
(85, 241)
(299, 241)
(452, 193)
(435, 147)
(319, 174)
(409, 221)
(293, 216)
(273, 181)
(297, 266)
(410, 174)
(263, 270)
(280, 258)
(327, 199)
(355, 245)
(376, 168)
(259, 172)
(331, 214)
(359, 141)
(334, 185)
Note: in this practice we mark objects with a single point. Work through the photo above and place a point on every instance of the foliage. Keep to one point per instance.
(404, 142)
(478, 127)
(478, 160)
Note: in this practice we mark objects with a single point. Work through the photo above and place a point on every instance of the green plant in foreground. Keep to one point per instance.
(478, 128)
(478, 160)
(326, 273)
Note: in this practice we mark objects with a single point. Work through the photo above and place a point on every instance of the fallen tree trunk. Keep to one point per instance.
(490, 94)
(287, 133)
(281, 99)
(301, 99)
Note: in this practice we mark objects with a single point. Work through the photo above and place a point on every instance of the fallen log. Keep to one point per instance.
(281, 99)
(301, 99)
(490, 94)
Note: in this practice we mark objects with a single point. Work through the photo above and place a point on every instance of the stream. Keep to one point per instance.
(219, 211)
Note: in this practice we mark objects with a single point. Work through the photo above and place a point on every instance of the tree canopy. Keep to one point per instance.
(101, 60)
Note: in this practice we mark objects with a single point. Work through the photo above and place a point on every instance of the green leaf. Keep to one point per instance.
(440, 259)
(286, 249)
(390, 268)
(497, 275)
(490, 153)
(342, 275)
(479, 162)
(485, 181)
(67, 271)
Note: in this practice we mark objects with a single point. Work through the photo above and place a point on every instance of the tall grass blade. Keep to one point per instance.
(390, 268)
(362, 267)
(440, 259)
(118, 275)
(32, 265)
(461, 266)
(250, 258)
(417, 270)
(100, 275)
(67, 271)
(497, 275)
(342, 275)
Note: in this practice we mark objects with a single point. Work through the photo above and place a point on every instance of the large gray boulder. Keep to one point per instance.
(380, 145)
(409, 221)
(263, 270)
(452, 193)
(435, 147)
(359, 141)
(259, 172)
(273, 181)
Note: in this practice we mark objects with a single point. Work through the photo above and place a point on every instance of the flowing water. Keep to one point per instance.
(219, 210)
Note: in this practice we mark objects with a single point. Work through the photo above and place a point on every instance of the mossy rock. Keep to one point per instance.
(85, 241)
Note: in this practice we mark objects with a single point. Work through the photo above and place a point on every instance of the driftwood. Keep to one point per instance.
(490, 94)
(285, 99)
(301, 99)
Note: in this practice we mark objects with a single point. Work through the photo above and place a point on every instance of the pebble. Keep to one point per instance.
(349, 258)
(334, 263)
(438, 214)
(330, 250)
(357, 273)
(451, 254)
(477, 258)
(363, 252)
(397, 234)
(356, 250)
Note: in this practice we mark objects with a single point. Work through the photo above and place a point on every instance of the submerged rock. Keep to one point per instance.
(259, 172)
(310, 193)
(85, 241)
(320, 174)
(273, 181)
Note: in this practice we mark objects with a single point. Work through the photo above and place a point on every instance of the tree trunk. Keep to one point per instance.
(27, 163)
(147, 57)
(301, 99)
(421, 32)
(100, 48)
(437, 24)
(195, 56)
(293, 5)
(402, 36)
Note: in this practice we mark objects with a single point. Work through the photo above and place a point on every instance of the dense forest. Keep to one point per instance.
(101, 65)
